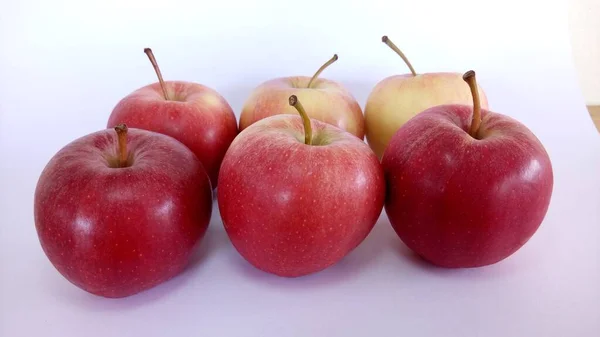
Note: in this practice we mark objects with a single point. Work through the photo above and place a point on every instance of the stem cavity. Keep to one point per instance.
(327, 64)
(469, 77)
(391, 44)
(305, 119)
(148, 52)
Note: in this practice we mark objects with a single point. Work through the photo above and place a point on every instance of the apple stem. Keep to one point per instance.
(152, 59)
(121, 130)
(327, 64)
(469, 77)
(305, 119)
(391, 44)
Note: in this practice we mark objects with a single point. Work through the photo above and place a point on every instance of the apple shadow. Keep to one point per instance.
(352, 264)
(88, 301)
(415, 261)
(213, 240)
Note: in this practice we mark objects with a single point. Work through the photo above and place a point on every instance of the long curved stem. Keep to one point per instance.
(150, 54)
(327, 64)
(469, 77)
(391, 44)
(305, 119)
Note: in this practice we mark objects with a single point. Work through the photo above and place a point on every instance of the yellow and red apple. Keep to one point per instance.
(398, 98)
(325, 100)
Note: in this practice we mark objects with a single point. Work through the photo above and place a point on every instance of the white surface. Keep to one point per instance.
(584, 24)
(64, 66)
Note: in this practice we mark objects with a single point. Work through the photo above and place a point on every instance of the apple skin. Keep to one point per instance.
(197, 116)
(292, 209)
(398, 98)
(462, 202)
(115, 232)
(326, 101)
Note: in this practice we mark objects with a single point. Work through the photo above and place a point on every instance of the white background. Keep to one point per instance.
(585, 39)
(65, 64)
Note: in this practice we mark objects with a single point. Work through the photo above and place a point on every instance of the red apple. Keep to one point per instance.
(117, 215)
(325, 100)
(293, 202)
(192, 113)
(467, 187)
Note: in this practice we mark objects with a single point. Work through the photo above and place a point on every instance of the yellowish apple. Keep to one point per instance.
(398, 98)
(325, 100)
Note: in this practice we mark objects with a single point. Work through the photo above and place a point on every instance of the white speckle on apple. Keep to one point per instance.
(212, 100)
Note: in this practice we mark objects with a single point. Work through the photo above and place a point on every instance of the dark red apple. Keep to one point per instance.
(119, 214)
(294, 202)
(467, 187)
(192, 113)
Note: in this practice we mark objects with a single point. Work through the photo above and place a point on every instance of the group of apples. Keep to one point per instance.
(120, 210)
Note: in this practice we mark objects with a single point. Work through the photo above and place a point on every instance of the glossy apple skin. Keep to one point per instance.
(115, 232)
(197, 116)
(292, 209)
(326, 101)
(398, 98)
(458, 201)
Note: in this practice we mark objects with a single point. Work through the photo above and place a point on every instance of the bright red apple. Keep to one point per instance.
(325, 100)
(467, 187)
(192, 113)
(297, 195)
(119, 214)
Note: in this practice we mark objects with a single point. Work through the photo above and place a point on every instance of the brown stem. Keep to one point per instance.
(469, 77)
(305, 119)
(391, 44)
(150, 54)
(121, 130)
(327, 64)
